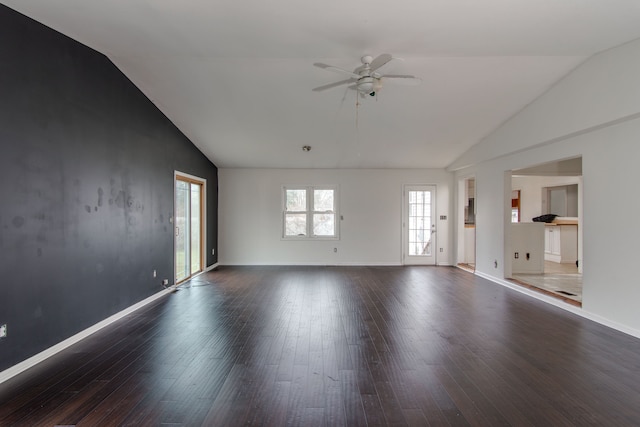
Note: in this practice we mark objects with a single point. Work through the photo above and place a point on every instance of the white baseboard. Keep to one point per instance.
(211, 267)
(43, 355)
(317, 264)
(568, 307)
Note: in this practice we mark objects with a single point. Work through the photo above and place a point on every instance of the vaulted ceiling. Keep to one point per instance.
(237, 76)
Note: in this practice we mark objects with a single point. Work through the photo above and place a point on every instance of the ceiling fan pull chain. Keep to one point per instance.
(357, 105)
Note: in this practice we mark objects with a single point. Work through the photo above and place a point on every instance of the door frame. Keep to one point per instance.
(462, 260)
(431, 260)
(182, 176)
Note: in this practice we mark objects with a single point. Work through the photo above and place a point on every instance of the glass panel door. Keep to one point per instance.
(419, 243)
(195, 229)
(182, 232)
(188, 227)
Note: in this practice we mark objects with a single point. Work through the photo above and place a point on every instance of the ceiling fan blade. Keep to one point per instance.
(336, 70)
(380, 61)
(332, 85)
(402, 79)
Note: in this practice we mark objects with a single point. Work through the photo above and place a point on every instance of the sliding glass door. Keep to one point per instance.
(188, 227)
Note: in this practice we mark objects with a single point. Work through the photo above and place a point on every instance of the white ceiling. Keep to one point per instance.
(236, 76)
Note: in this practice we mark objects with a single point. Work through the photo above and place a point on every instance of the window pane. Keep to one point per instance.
(413, 223)
(181, 230)
(419, 223)
(296, 200)
(195, 228)
(323, 224)
(295, 225)
(322, 200)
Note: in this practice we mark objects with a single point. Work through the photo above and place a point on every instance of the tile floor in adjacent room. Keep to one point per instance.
(561, 279)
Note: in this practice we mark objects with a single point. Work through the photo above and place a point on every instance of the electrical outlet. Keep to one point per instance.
(3, 331)
(441, 249)
(335, 249)
(154, 273)
(213, 251)
(165, 281)
(517, 255)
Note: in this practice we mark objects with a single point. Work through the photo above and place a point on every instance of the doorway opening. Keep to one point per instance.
(547, 256)
(515, 206)
(189, 226)
(467, 223)
(419, 225)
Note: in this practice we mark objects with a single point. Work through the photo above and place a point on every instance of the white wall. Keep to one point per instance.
(599, 106)
(250, 216)
(527, 238)
(531, 192)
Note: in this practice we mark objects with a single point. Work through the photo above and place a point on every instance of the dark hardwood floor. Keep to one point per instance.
(337, 346)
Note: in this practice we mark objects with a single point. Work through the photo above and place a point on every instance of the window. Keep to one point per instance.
(310, 212)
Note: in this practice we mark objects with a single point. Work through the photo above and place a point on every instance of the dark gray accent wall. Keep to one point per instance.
(86, 189)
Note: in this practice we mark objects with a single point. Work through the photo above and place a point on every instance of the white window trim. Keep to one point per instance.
(309, 189)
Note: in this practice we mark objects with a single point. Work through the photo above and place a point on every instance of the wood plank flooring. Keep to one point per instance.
(337, 346)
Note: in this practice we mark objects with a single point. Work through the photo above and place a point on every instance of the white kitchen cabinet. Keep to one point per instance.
(561, 243)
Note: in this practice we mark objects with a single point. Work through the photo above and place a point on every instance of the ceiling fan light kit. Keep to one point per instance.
(365, 78)
(365, 84)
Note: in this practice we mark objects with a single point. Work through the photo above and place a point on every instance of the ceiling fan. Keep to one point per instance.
(365, 78)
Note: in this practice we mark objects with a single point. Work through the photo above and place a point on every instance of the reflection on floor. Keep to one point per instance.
(560, 280)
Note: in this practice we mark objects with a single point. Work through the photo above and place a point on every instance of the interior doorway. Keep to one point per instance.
(467, 223)
(551, 188)
(515, 206)
(188, 225)
(419, 225)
